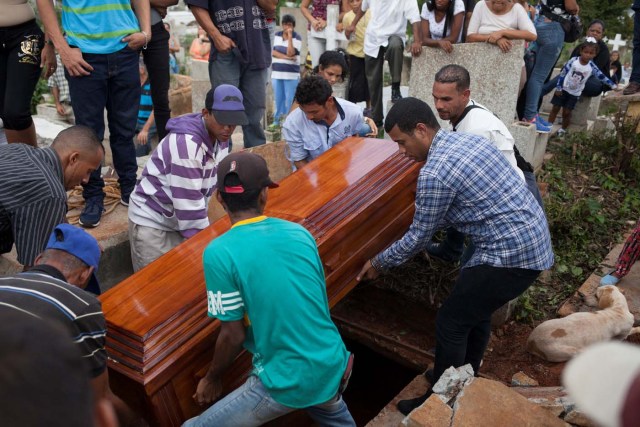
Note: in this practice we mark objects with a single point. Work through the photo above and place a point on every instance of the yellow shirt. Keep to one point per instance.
(356, 45)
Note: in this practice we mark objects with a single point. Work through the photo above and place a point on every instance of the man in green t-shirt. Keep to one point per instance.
(265, 283)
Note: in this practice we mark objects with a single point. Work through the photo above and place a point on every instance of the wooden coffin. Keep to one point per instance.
(355, 199)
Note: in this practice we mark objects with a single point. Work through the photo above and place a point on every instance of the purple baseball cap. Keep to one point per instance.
(225, 102)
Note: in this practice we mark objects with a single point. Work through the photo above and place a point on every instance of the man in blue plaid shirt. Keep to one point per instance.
(466, 183)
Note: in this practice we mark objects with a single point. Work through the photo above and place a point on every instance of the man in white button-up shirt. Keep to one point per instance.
(321, 122)
(384, 39)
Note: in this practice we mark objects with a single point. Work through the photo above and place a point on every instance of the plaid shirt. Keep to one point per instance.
(468, 184)
(59, 80)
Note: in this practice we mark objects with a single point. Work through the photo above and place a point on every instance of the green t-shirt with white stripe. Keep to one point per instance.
(268, 271)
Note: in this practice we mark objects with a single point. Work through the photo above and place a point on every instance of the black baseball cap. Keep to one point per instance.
(251, 170)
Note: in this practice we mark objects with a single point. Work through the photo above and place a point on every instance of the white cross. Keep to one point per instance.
(617, 42)
(329, 32)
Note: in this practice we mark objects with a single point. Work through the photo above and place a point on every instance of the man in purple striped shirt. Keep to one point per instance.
(169, 203)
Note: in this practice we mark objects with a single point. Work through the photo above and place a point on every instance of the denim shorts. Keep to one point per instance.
(566, 100)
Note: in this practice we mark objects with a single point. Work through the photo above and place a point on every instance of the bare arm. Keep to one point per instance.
(142, 10)
(316, 24)
(351, 28)
(222, 43)
(70, 57)
(572, 7)
(300, 163)
(269, 6)
(344, 8)
(416, 46)
(101, 390)
(515, 35)
(291, 51)
(162, 5)
(228, 347)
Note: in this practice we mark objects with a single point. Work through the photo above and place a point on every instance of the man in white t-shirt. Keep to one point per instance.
(452, 99)
(384, 39)
(321, 122)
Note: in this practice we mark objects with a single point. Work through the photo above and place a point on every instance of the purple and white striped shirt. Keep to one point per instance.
(179, 179)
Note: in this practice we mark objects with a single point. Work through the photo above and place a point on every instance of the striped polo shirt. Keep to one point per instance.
(146, 104)
(43, 293)
(32, 201)
(286, 69)
(98, 26)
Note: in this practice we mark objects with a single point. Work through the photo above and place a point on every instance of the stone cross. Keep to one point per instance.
(329, 33)
(617, 42)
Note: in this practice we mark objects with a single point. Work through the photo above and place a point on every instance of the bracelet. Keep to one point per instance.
(146, 39)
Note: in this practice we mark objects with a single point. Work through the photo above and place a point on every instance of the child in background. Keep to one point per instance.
(146, 126)
(358, 89)
(629, 255)
(615, 69)
(573, 77)
(285, 68)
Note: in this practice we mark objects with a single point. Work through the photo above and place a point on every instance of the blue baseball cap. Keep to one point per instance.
(80, 244)
(226, 104)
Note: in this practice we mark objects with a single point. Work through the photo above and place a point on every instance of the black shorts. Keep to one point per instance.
(20, 50)
(566, 100)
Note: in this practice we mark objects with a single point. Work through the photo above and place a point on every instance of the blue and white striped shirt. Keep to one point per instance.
(468, 184)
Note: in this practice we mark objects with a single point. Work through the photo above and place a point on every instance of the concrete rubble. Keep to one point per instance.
(461, 400)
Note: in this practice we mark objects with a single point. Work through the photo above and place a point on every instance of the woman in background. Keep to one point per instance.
(24, 52)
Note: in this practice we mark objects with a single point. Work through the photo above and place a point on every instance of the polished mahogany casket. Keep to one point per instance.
(355, 200)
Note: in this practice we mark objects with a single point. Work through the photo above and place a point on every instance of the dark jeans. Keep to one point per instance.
(463, 323)
(635, 59)
(593, 87)
(227, 69)
(114, 83)
(156, 58)
(20, 48)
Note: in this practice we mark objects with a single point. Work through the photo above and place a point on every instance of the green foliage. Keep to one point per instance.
(612, 12)
(588, 210)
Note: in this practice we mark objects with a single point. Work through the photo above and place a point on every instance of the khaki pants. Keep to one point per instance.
(149, 244)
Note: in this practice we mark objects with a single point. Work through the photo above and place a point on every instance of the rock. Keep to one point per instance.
(521, 379)
(489, 403)
(577, 418)
(432, 413)
(553, 399)
(452, 381)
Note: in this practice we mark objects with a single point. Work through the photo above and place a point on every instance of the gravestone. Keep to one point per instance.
(200, 83)
(494, 75)
(495, 78)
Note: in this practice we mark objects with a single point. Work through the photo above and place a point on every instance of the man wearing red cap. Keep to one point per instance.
(169, 203)
(276, 309)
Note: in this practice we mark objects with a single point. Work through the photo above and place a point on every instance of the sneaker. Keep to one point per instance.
(540, 128)
(561, 133)
(92, 212)
(408, 405)
(395, 94)
(442, 252)
(609, 279)
(543, 121)
(633, 87)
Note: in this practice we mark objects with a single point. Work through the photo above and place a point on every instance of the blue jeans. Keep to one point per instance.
(251, 405)
(549, 45)
(227, 69)
(114, 83)
(635, 58)
(283, 92)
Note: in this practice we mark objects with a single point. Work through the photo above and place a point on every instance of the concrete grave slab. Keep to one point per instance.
(494, 74)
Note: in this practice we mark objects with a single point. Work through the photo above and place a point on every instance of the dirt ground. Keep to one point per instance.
(506, 355)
